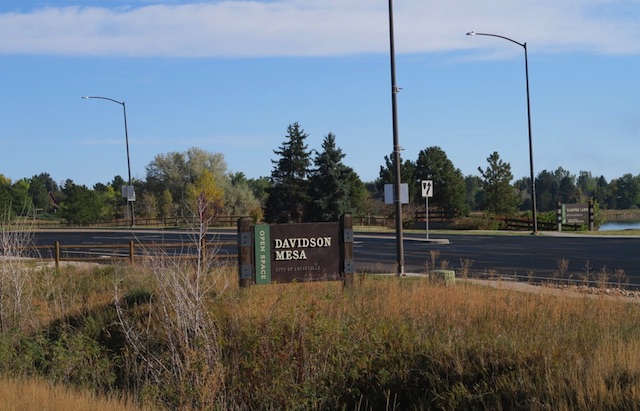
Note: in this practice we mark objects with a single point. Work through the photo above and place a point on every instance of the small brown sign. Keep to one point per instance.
(575, 213)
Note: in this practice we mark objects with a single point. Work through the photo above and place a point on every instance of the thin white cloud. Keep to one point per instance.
(238, 28)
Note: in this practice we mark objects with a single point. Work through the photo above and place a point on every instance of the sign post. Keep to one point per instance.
(427, 191)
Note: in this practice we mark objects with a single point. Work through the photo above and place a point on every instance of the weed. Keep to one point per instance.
(621, 277)
(563, 268)
(602, 279)
(465, 267)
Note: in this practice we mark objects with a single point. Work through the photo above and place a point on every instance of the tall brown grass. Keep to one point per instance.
(409, 344)
(39, 395)
(387, 343)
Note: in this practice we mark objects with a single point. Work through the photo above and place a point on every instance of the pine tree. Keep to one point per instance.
(501, 197)
(329, 191)
(288, 194)
(81, 205)
(449, 188)
(387, 175)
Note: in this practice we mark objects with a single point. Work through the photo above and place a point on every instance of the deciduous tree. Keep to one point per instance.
(627, 191)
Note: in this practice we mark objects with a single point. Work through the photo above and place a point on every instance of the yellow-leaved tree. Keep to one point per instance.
(205, 197)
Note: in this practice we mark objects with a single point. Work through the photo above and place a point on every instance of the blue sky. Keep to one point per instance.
(230, 76)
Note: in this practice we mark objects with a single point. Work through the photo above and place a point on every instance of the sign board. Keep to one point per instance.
(129, 193)
(427, 188)
(389, 194)
(285, 253)
(575, 213)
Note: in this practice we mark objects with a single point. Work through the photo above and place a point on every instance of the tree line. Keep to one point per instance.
(308, 185)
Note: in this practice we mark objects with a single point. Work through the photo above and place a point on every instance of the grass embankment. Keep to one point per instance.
(388, 343)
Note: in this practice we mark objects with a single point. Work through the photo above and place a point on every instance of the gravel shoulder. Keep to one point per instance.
(575, 291)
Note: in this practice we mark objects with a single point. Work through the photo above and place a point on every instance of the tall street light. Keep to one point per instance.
(396, 149)
(526, 68)
(126, 137)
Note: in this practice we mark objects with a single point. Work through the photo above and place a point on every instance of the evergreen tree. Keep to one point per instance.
(449, 188)
(587, 184)
(288, 194)
(567, 190)
(501, 198)
(475, 194)
(554, 187)
(6, 209)
(388, 175)
(81, 205)
(603, 192)
(546, 191)
(39, 188)
(329, 188)
(358, 193)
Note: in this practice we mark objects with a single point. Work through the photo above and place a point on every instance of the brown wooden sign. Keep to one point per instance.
(305, 252)
(284, 253)
(575, 213)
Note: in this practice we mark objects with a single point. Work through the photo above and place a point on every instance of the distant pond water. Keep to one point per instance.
(620, 225)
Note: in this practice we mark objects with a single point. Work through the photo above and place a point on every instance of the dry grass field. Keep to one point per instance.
(40, 395)
(181, 335)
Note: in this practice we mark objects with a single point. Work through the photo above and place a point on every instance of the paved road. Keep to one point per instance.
(510, 255)
(503, 254)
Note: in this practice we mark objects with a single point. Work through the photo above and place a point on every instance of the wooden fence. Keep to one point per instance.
(131, 252)
(524, 224)
(434, 215)
(220, 221)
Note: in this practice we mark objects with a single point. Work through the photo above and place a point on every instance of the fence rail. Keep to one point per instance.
(524, 224)
(220, 221)
(435, 215)
(134, 251)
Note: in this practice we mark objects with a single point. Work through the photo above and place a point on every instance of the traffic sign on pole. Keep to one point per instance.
(427, 188)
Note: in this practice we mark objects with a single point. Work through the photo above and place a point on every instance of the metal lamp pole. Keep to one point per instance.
(396, 150)
(526, 67)
(126, 137)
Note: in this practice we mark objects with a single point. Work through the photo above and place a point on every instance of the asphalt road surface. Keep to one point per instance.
(523, 256)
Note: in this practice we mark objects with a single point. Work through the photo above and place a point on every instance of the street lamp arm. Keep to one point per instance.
(526, 71)
(104, 98)
(473, 33)
(126, 139)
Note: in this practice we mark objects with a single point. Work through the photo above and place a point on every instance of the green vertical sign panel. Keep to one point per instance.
(262, 247)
